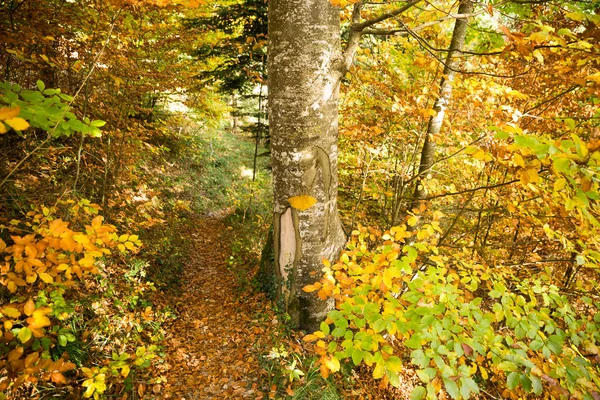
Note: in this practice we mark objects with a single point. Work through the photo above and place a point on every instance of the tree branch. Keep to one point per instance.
(404, 31)
(472, 190)
(362, 26)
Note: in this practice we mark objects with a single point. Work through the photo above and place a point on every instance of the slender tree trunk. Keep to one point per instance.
(435, 122)
(305, 67)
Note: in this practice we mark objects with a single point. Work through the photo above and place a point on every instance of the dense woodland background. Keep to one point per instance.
(123, 123)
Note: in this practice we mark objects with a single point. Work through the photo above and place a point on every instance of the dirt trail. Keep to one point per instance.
(210, 346)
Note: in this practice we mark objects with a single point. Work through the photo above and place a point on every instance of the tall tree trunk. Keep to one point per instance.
(435, 122)
(305, 66)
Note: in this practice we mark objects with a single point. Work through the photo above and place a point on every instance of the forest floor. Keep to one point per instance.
(212, 346)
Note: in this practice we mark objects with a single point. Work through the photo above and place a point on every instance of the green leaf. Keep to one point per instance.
(507, 366)
(24, 334)
(561, 164)
(536, 345)
(468, 386)
(513, 380)
(357, 356)
(40, 85)
(97, 123)
(501, 135)
(525, 382)
(419, 358)
(418, 393)
(427, 374)
(379, 325)
(66, 97)
(62, 340)
(335, 315)
(393, 364)
(332, 347)
(51, 92)
(338, 332)
(324, 328)
(341, 323)
(414, 342)
(451, 388)
(411, 254)
(442, 350)
(555, 344)
(537, 385)
(394, 379)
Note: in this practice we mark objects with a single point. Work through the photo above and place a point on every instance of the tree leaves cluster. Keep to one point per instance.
(491, 282)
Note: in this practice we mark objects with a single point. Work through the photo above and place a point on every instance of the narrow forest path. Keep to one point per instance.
(211, 346)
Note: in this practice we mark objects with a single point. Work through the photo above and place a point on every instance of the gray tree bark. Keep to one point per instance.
(305, 68)
(435, 122)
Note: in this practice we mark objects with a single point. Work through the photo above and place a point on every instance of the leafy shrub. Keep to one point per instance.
(464, 324)
(44, 260)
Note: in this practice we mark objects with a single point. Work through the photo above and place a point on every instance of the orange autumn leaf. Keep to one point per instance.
(312, 288)
(29, 307)
(9, 112)
(58, 378)
(324, 371)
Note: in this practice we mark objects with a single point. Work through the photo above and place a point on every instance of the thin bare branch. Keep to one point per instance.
(368, 23)
(437, 196)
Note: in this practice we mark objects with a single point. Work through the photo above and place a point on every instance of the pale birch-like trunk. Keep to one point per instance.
(435, 122)
(305, 67)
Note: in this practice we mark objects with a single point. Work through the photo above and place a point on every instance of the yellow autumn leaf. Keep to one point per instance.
(62, 267)
(18, 124)
(81, 239)
(11, 312)
(2, 245)
(518, 160)
(86, 262)
(39, 319)
(46, 277)
(483, 372)
(333, 364)
(533, 176)
(479, 155)
(302, 202)
(3, 128)
(9, 112)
